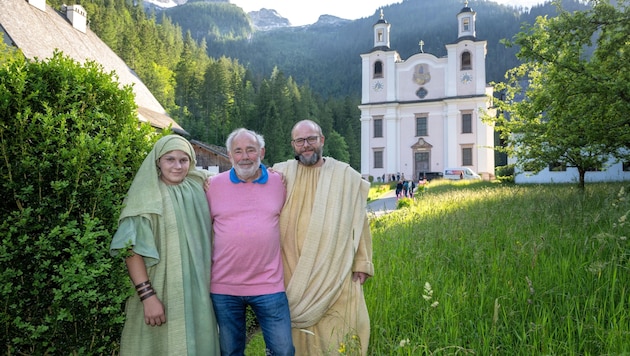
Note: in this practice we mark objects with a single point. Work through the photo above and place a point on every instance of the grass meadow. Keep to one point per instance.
(488, 268)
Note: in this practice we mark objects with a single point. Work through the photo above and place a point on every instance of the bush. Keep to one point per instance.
(70, 142)
(504, 172)
(404, 203)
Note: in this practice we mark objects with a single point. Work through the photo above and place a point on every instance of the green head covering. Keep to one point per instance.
(144, 195)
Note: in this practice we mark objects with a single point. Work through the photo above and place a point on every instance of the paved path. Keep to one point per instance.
(384, 204)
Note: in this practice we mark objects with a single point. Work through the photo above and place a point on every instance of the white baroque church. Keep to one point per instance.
(423, 114)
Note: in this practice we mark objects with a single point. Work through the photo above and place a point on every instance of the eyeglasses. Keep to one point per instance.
(311, 140)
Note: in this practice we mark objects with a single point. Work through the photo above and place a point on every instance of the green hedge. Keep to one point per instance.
(70, 143)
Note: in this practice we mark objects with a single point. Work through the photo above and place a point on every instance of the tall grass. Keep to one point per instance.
(497, 269)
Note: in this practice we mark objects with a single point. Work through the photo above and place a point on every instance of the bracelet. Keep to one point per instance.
(150, 294)
(147, 282)
(140, 292)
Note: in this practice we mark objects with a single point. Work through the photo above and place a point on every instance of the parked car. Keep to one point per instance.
(460, 173)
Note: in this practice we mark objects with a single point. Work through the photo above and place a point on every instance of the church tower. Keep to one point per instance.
(422, 115)
(381, 33)
(466, 20)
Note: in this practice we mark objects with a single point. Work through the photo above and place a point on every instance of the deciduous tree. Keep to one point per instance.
(568, 103)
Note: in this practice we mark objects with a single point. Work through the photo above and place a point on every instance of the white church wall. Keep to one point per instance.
(613, 173)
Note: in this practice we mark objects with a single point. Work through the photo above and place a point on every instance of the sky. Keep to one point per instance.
(306, 12)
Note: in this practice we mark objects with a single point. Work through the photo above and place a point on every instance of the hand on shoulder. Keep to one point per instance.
(272, 171)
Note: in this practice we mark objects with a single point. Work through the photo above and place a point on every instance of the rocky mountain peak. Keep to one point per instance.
(265, 19)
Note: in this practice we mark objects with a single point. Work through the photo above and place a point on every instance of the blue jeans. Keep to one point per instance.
(272, 313)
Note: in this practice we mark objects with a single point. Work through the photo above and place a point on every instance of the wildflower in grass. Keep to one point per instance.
(622, 220)
(404, 342)
(597, 267)
(621, 196)
(351, 345)
(342, 348)
(428, 295)
(428, 292)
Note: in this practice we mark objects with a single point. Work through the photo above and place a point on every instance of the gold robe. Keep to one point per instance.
(325, 237)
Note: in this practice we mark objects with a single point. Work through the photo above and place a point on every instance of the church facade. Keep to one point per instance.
(422, 115)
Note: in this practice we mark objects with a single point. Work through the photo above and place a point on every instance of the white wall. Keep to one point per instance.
(613, 173)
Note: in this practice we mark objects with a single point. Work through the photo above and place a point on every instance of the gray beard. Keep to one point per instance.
(245, 174)
(309, 161)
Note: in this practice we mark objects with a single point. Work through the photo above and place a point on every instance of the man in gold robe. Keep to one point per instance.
(326, 248)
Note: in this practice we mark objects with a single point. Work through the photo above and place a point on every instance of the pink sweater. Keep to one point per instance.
(246, 257)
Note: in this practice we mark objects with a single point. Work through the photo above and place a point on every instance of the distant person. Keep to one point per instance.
(326, 246)
(412, 188)
(405, 188)
(245, 204)
(399, 188)
(164, 233)
(423, 184)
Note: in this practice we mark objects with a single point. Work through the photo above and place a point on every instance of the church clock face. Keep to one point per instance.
(378, 85)
(466, 78)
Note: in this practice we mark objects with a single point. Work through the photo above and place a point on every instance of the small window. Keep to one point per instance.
(595, 168)
(467, 123)
(466, 24)
(378, 127)
(378, 159)
(467, 159)
(557, 167)
(421, 126)
(466, 61)
(626, 166)
(379, 36)
(378, 69)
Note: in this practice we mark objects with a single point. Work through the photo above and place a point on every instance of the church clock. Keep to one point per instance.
(378, 85)
(466, 78)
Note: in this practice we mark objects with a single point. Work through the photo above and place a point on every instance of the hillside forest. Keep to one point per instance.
(213, 72)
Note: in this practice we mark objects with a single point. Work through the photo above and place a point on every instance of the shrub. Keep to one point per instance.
(404, 203)
(70, 144)
(505, 173)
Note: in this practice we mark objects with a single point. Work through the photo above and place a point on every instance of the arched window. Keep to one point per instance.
(378, 69)
(466, 62)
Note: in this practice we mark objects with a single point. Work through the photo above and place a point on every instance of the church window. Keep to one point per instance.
(378, 158)
(378, 69)
(467, 123)
(379, 36)
(466, 24)
(626, 166)
(421, 126)
(467, 157)
(466, 61)
(378, 127)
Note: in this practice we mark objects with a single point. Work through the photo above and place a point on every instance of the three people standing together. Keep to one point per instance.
(298, 256)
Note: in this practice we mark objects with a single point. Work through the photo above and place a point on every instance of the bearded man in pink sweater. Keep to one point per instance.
(245, 204)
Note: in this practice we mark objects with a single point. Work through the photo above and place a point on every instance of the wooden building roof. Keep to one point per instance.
(38, 30)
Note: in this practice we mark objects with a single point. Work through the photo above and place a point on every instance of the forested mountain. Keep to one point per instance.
(327, 57)
(213, 72)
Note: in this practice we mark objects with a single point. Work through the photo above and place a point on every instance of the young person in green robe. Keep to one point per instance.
(164, 233)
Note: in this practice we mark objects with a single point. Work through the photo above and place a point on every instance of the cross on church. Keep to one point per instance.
(421, 43)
